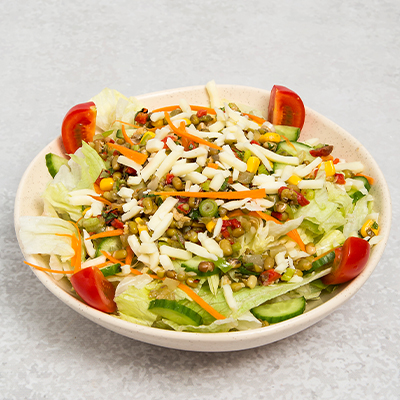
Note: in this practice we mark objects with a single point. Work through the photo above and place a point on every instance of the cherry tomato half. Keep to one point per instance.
(79, 124)
(350, 260)
(94, 289)
(285, 107)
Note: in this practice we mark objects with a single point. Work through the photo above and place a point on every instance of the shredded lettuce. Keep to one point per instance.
(331, 240)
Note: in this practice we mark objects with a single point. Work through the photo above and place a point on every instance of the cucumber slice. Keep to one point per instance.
(176, 312)
(290, 132)
(192, 265)
(287, 149)
(277, 166)
(364, 181)
(54, 163)
(109, 244)
(326, 259)
(280, 311)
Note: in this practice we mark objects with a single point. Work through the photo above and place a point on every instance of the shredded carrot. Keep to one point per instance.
(97, 189)
(255, 118)
(110, 257)
(253, 194)
(133, 155)
(102, 199)
(323, 254)
(181, 131)
(48, 269)
(126, 137)
(327, 158)
(104, 264)
(129, 257)
(294, 234)
(78, 260)
(115, 232)
(132, 125)
(195, 297)
(135, 272)
(194, 108)
(213, 165)
(369, 178)
(85, 210)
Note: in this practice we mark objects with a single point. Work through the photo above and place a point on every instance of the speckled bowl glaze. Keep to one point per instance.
(28, 202)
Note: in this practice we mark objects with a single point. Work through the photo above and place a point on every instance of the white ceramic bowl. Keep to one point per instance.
(28, 202)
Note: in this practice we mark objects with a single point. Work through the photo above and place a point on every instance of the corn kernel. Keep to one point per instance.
(370, 225)
(106, 184)
(142, 228)
(188, 121)
(225, 218)
(294, 180)
(253, 164)
(147, 136)
(270, 137)
(329, 168)
(210, 226)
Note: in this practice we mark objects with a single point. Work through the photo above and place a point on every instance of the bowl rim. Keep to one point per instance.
(234, 340)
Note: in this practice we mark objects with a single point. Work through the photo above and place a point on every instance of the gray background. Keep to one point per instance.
(341, 57)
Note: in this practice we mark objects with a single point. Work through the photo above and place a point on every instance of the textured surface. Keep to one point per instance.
(342, 60)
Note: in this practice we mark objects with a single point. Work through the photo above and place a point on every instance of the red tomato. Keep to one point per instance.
(285, 107)
(79, 124)
(350, 260)
(269, 276)
(94, 289)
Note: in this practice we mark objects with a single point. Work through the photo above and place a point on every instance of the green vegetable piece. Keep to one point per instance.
(262, 170)
(288, 275)
(176, 312)
(107, 133)
(247, 155)
(119, 134)
(92, 224)
(208, 208)
(290, 132)
(111, 269)
(356, 196)
(54, 163)
(109, 244)
(280, 311)
(364, 180)
(326, 259)
(206, 185)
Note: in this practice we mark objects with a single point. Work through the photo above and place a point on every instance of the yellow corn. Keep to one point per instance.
(141, 225)
(147, 136)
(210, 226)
(106, 184)
(270, 137)
(330, 168)
(370, 225)
(252, 164)
(188, 121)
(225, 218)
(294, 180)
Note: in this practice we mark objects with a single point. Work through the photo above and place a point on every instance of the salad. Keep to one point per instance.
(201, 218)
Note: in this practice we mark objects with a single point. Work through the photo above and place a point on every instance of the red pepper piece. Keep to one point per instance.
(168, 179)
(339, 179)
(276, 215)
(117, 224)
(184, 208)
(255, 142)
(322, 151)
(269, 277)
(301, 199)
(201, 113)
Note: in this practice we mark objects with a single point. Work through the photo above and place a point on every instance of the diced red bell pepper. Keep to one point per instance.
(117, 224)
(141, 116)
(339, 179)
(184, 208)
(255, 142)
(201, 113)
(276, 215)
(269, 277)
(168, 179)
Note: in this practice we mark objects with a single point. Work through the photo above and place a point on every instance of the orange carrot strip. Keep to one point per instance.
(370, 179)
(48, 269)
(79, 247)
(253, 194)
(133, 155)
(97, 189)
(327, 158)
(126, 137)
(129, 257)
(213, 165)
(194, 108)
(136, 272)
(104, 264)
(324, 254)
(255, 118)
(110, 257)
(115, 232)
(181, 131)
(195, 297)
(102, 199)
